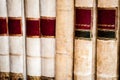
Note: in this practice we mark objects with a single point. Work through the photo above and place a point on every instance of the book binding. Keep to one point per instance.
(48, 23)
(33, 40)
(4, 42)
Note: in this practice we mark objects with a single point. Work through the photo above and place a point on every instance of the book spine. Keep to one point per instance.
(48, 20)
(15, 39)
(107, 39)
(64, 39)
(32, 15)
(85, 38)
(4, 42)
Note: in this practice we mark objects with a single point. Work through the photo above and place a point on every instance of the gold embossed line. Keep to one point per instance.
(81, 30)
(106, 29)
(83, 38)
(28, 18)
(16, 35)
(85, 8)
(106, 25)
(33, 36)
(4, 34)
(84, 25)
(44, 36)
(48, 18)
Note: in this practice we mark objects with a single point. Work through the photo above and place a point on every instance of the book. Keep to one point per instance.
(15, 39)
(48, 20)
(4, 42)
(107, 39)
(85, 39)
(33, 40)
(64, 39)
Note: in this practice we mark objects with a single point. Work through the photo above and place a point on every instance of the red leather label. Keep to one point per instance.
(48, 26)
(106, 19)
(32, 27)
(3, 26)
(83, 19)
(15, 26)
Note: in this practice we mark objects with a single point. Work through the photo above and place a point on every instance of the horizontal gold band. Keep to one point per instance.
(33, 77)
(85, 25)
(102, 38)
(33, 36)
(86, 8)
(106, 29)
(29, 18)
(79, 38)
(3, 17)
(19, 35)
(4, 34)
(107, 8)
(47, 36)
(106, 25)
(49, 18)
(81, 30)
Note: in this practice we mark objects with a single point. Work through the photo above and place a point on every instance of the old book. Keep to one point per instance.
(33, 42)
(48, 18)
(64, 39)
(4, 42)
(85, 39)
(107, 39)
(15, 39)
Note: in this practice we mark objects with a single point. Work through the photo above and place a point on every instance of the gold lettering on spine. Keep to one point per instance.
(85, 25)
(106, 25)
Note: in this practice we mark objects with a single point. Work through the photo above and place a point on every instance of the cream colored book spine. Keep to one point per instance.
(107, 39)
(48, 18)
(85, 39)
(64, 39)
(33, 41)
(15, 39)
(4, 42)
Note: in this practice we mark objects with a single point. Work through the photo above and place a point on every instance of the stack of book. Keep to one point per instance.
(59, 39)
